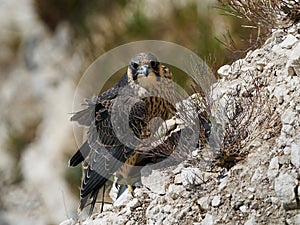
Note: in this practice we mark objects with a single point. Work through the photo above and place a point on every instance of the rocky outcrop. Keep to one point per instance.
(253, 175)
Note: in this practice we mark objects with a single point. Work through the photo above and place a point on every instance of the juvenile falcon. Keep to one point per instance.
(118, 120)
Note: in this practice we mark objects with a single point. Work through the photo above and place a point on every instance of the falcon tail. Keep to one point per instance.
(90, 189)
(84, 200)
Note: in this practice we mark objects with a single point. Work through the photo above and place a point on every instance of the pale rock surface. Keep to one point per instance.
(260, 187)
(273, 168)
(295, 155)
(285, 190)
(156, 182)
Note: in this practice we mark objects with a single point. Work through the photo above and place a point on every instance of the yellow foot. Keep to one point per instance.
(130, 189)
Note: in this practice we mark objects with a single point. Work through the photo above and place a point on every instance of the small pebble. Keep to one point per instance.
(216, 201)
(244, 208)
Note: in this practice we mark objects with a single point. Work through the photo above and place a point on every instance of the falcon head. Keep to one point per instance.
(145, 70)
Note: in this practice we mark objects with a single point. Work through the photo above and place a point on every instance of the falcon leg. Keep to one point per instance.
(131, 189)
(123, 188)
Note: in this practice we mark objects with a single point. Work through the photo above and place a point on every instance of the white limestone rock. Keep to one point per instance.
(273, 168)
(289, 41)
(295, 155)
(284, 187)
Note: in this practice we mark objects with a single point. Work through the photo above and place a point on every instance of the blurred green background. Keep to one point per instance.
(206, 27)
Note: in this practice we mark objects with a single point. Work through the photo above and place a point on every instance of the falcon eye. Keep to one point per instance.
(153, 64)
(134, 65)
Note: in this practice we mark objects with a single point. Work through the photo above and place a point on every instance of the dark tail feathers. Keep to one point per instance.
(80, 155)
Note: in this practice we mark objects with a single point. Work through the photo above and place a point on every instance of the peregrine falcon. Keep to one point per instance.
(118, 120)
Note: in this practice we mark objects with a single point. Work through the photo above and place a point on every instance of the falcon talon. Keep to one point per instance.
(131, 189)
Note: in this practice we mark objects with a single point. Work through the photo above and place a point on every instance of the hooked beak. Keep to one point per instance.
(143, 70)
